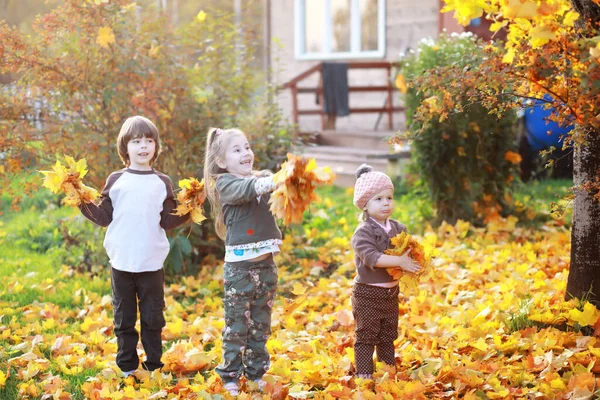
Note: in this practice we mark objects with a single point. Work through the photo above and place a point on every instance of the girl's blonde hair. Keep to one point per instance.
(135, 128)
(216, 144)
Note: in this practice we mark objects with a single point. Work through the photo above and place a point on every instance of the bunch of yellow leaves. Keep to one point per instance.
(191, 198)
(401, 243)
(68, 179)
(296, 182)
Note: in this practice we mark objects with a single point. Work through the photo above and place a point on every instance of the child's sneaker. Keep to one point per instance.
(127, 373)
(232, 388)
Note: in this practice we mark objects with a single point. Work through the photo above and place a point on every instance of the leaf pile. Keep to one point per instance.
(189, 199)
(491, 323)
(67, 179)
(401, 243)
(297, 181)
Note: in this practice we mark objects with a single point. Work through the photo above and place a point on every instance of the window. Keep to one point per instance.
(333, 29)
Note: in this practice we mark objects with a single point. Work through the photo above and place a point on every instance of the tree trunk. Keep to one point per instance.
(584, 273)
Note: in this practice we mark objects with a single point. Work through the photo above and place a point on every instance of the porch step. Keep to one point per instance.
(375, 140)
(345, 160)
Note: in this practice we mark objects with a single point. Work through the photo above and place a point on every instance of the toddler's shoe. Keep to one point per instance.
(232, 388)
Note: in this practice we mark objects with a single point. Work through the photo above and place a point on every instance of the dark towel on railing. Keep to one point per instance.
(335, 89)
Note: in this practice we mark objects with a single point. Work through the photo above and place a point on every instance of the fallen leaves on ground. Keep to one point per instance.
(491, 323)
(67, 179)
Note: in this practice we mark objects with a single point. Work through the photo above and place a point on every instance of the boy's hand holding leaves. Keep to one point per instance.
(68, 179)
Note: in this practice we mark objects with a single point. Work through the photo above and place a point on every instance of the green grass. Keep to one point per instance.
(30, 259)
(11, 390)
(414, 209)
(33, 274)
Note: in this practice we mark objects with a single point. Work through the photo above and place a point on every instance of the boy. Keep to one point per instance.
(137, 204)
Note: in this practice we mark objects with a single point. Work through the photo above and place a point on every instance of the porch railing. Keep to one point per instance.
(328, 120)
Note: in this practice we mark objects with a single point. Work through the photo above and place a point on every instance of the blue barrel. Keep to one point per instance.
(541, 133)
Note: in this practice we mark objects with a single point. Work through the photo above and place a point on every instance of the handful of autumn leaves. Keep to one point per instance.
(68, 179)
(191, 198)
(401, 243)
(297, 180)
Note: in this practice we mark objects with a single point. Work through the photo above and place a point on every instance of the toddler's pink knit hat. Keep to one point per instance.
(368, 184)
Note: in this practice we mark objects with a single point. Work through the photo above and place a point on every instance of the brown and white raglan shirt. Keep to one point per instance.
(137, 207)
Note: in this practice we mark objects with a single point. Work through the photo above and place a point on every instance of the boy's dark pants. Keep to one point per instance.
(147, 290)
(249, 291)
(375, 311)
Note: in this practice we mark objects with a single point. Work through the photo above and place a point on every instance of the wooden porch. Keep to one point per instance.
(345, 150)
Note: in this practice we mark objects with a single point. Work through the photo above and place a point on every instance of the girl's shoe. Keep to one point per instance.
(232, 388)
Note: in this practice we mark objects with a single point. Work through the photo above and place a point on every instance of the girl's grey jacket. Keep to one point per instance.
(247, 219)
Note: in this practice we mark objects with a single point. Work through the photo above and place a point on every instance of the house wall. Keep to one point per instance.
(407, 22)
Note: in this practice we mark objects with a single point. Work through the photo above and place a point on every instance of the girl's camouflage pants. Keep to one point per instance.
(249, 291)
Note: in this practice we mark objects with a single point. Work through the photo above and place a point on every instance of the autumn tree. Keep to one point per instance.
(91, 64)
(552, 48)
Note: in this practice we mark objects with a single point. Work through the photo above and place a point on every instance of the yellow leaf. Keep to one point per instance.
(589, 315)
(414, 388)
(401, 83)
(465, 10)
(570, 18)
(520, 9)
(154, 50)
(105, 36)
(558, 383)
(197, 216)
(201, 16)
(480, 344)
(298, 289)
(2, 379)
(129, 391)
(540, 35)
(432, 103)
(509, 56)
(595, 51)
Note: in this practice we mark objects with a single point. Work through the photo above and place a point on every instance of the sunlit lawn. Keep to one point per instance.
(491, 322)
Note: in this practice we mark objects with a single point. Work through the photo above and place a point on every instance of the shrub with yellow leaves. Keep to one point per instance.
(401, 243)
(297, 180)
(68, 179)
(191, 198)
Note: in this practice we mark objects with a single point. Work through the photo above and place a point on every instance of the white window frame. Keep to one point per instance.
(355, 36)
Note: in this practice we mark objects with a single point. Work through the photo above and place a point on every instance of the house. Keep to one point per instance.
(369, 35)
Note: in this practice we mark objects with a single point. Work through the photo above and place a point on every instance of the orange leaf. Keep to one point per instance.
(297, 180)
